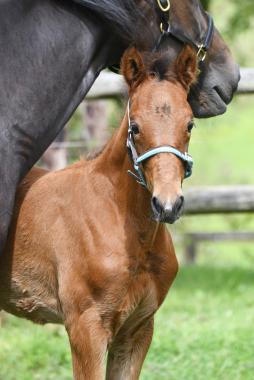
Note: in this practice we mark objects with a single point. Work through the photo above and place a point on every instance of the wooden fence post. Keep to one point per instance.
(190, 250)
(95, 132)
(55, 158)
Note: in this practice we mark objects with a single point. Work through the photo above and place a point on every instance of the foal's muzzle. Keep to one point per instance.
(168, 212)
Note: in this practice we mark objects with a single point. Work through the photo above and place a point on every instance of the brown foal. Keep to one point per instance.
(84, 248)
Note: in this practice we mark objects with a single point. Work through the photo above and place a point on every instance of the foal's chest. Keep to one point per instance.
(127, 281)
(132, 291)
(139, 302)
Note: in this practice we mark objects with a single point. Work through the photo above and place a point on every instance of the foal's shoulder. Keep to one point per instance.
(40, 183)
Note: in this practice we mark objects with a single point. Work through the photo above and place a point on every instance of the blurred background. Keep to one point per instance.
(205, 327)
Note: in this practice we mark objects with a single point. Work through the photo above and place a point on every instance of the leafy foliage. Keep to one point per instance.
(206, 3)
(242, 17)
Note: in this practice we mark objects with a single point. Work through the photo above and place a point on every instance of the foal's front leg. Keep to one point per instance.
(128, 352)
(88, 343)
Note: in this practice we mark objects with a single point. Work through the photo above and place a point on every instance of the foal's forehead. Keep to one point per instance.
(152, 95)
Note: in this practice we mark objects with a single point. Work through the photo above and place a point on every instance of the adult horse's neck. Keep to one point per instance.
(51, 52)
(133, 201)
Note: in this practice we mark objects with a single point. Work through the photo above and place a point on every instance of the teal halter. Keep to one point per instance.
(137, 160)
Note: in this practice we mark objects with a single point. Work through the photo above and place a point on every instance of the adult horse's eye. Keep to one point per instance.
(190, 126)
(134, 128)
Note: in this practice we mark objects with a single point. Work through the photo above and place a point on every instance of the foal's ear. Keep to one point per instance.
(132, 67)
(187, 67)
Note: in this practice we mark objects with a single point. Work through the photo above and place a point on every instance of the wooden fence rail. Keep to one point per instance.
(192, 239)
(110, 85)
(216, 199)
(219, 199)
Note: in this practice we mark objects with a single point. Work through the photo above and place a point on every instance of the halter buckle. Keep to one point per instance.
(201, 54)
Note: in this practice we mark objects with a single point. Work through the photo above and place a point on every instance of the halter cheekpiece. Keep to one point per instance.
(136, 160)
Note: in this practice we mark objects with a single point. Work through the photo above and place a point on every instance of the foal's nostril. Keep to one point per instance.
(178, 207)
(157, 206)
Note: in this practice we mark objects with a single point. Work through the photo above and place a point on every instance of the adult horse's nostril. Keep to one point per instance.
(178, 206)
(157, 206)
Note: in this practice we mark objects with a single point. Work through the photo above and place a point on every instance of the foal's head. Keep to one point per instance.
(160, 116)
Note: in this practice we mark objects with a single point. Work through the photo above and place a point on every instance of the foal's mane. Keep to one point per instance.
(130, 20)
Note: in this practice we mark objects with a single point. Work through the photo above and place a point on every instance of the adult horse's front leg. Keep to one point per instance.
(128, 352)
(10, 172)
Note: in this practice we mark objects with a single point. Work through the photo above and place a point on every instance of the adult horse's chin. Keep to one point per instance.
(210, 95)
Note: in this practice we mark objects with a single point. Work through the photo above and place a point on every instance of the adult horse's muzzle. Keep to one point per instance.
(168, 212)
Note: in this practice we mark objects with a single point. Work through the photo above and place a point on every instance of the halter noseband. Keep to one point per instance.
(137, 160)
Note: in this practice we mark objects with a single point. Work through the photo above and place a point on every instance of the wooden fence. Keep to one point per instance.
(216, 200)
(110, 85)
(219, 199)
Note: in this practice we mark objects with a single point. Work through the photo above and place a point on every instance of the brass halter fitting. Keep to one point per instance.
(201, 54)
(164, 5)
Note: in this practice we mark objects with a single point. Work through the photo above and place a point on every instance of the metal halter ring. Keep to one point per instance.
(163, 7)
(164, 30)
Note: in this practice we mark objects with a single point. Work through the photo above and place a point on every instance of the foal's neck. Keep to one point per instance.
(133, 200)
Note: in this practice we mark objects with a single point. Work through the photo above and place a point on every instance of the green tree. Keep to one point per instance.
(206, 3)
(243, 16)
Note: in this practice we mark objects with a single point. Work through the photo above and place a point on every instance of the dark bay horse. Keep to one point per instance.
(51, 52)
(83, 249)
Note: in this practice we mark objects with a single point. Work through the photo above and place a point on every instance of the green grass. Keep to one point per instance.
(203, 330)
(30, 352)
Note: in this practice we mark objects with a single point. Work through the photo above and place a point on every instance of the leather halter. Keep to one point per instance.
(136, 160)
(168, 30)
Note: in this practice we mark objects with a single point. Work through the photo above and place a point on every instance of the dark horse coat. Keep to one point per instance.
(51, 52)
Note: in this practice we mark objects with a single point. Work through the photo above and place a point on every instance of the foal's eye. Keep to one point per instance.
(134, 128)
(190, 126)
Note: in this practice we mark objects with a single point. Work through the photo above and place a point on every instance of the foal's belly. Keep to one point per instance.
(33, 309)
(29, 293)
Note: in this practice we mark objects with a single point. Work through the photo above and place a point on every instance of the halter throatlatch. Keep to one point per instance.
(137, 160)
